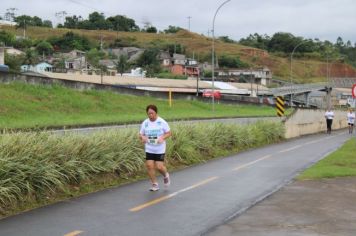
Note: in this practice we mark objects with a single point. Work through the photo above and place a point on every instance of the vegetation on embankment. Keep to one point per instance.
(24, 106)
(306, 69)
(38, 168)
(340, 163)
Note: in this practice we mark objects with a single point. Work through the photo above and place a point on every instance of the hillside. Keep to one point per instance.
(304, 70)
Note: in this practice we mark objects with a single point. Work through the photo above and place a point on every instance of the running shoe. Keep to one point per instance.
(166, 180)
(154, 187)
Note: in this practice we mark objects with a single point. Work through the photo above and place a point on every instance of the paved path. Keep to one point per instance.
(303, 208)
(240, 121)
(199, 199)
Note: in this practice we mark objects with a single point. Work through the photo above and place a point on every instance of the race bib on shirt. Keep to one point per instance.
(153, 140)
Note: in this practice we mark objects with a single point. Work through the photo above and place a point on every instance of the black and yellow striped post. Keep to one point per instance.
(280, 106)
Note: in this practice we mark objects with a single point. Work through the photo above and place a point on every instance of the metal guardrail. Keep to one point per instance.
(298, 89)
(342, 82)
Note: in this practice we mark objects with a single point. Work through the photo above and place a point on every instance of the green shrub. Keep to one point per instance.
(37, 165)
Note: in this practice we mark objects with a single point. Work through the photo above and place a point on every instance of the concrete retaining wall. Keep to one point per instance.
(79, 85)
(124, 88)
(306, 121)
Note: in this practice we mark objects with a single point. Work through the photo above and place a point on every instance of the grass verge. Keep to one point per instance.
(24, 106)
(340, 163)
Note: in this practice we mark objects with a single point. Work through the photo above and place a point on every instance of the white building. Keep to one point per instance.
(39, 68)
(260, 76)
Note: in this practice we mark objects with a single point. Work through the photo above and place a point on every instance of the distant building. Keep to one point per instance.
(2, 55)
(6, 22)
(179, 64)
(13, 51)
(40, 67)
(261, 76)
(110, 66)
(8, 50)
(166, 59)
(74, 61)
(178, 59)
(190, 71)
(137, 72)
(132, 53)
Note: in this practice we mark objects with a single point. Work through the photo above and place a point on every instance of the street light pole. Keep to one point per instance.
(213, 54)
(329, 64)
(291, 58)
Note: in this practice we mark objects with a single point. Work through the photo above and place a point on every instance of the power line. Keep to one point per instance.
(88, 6)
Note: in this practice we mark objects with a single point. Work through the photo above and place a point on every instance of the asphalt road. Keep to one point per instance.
(199, 198)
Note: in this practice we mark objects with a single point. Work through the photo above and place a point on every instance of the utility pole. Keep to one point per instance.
(24, 28)
(101, 42)
(189, 17)
(60, 15)
(213, 54)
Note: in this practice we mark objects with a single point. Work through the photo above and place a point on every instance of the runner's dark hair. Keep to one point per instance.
(152, 107)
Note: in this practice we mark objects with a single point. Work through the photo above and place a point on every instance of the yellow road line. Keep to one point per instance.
(252, 162)
(74, 233)
(160, 199)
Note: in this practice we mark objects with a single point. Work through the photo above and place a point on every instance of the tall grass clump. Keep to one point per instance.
(41, 165)
(195, 143)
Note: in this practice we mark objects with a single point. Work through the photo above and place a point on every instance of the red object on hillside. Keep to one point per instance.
(354, 91)
(209, 93)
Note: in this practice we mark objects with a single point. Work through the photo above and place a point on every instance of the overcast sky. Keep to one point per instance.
(322, 19)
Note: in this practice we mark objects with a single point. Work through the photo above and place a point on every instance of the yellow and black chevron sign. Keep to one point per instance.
(280, 106)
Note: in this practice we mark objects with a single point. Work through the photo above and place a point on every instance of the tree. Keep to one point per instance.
(94, 55)
(7, 38)
(282, 42)
(31, 57)
(122, 23)
(122, 64)
(256, 41)
(172, 29)
(14, 62)
(149, 61)
(98, 21)
(60, 64)
(70, 41)
(151, 29)
(24, 20)
(44, 47)
(231, 62)
(71, 22)
(47, 23)
(174, 48)
(339, 43)
(226, 39)
(23, 43)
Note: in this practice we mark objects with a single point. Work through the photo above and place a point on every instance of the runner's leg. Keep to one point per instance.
(150, 166)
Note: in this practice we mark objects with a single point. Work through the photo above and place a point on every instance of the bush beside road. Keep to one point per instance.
(41, 168)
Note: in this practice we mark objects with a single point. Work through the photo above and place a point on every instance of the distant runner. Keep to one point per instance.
(329, 116)
(351, 120)
(153, 133)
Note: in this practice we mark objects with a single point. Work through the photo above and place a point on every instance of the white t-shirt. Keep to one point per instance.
(351, 117)
(152, 130)
(329, 115)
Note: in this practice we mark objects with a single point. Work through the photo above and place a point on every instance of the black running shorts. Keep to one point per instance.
(154, 156)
